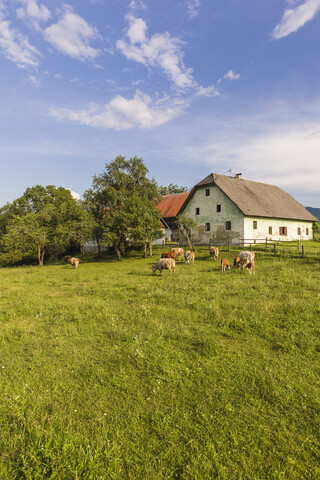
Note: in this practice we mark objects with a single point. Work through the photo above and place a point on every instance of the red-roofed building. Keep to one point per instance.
(169, 207)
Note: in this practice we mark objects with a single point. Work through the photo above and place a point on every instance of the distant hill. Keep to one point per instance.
(315, 212)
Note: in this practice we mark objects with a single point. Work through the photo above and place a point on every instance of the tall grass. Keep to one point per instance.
(110, 372)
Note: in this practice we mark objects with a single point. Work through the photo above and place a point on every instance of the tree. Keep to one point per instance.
(186, 227)
(126, 203)
(42, 222)
(171, 189)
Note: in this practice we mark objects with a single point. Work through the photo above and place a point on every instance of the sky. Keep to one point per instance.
(191, 86)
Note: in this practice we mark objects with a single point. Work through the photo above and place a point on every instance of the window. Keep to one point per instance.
(282, 230)
(307, 231)
(197, 211)
(207, 227)
(207, 192)
(299, 231)
(255, 224)
(270, 230)
(218, 208)
(228, 225)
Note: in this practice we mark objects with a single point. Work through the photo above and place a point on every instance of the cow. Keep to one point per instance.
(66, 258)
(189, 256)
(243, 258)
(179, 251)
(163, 264)
(75, 262)
(214, 253)
(250, 267)
(169, 255)
(225, 264)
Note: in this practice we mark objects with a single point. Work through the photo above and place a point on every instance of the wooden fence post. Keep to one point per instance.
(274, 249)
(250, 247)
(266, 242)
(298, 245)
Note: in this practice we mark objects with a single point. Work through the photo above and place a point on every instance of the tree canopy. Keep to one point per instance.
(171, 189)
(124, 201)
(43, 221)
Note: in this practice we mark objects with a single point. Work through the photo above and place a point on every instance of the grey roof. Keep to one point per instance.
(257, 199)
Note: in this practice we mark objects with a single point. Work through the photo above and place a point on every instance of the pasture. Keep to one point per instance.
(110, 372)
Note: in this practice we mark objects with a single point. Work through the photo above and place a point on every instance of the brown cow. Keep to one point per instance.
(250, 267)
(164, 263)
(225, 264)
(169, 255)
(66, 258)
(214, 252)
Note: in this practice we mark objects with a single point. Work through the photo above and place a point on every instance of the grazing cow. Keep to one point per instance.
(169, 255)
(179, 251)
(66, 258)
(243, 258)
(214, 252)
(75, 262)
(189, 256)
(164, 263)
(250, 267)
(225, 265)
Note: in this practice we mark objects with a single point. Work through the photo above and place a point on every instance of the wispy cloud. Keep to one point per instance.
(16, 47)
(295, 18)
(231, 75)
(31, 11)
(72, 36)
(160, 50)
(121, 113)
(193, 8)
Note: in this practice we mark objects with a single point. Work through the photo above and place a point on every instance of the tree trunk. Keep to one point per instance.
(144, 249)
(116, 247)
(150, 248)
(40, 256)
(189, 241)
(99, 247)
(83, 251)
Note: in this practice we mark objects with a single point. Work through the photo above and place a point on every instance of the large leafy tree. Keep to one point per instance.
(42, 222)
(125, 204)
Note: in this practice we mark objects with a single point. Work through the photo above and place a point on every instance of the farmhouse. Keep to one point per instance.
(169, 207)
(230, 209)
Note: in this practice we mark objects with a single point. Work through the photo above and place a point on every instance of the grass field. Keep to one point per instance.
(110, 372)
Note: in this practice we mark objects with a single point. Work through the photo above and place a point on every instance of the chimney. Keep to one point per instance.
(238, 175)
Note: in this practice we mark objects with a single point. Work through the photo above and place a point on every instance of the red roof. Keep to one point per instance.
(170, 205)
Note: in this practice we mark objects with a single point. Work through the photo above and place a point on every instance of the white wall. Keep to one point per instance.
(263, 225)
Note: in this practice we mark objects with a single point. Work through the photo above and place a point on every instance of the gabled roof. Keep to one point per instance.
(257, 199)
(170, 205)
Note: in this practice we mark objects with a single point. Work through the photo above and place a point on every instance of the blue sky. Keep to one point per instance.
(191, 86)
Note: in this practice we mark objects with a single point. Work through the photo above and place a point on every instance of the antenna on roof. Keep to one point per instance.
(228, 171)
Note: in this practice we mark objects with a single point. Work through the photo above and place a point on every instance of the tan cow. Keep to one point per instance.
(225, 264)
(250, 267)
(75, 262)
(179, 251)
(189, 256)
(214, 253)
(243, 258)
(163, 264)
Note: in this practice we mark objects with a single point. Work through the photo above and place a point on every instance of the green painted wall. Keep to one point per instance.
(208, 214)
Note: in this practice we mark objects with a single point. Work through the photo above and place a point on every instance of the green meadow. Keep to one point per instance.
(110, 372)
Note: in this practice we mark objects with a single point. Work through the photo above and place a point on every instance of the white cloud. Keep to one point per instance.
(72, 35)
(230, 75)
(137, 4)
(161, 50)
(295, 18)
(34, 80)
(121, 113)
(30, 10)
(16, 47)
(193, 8)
